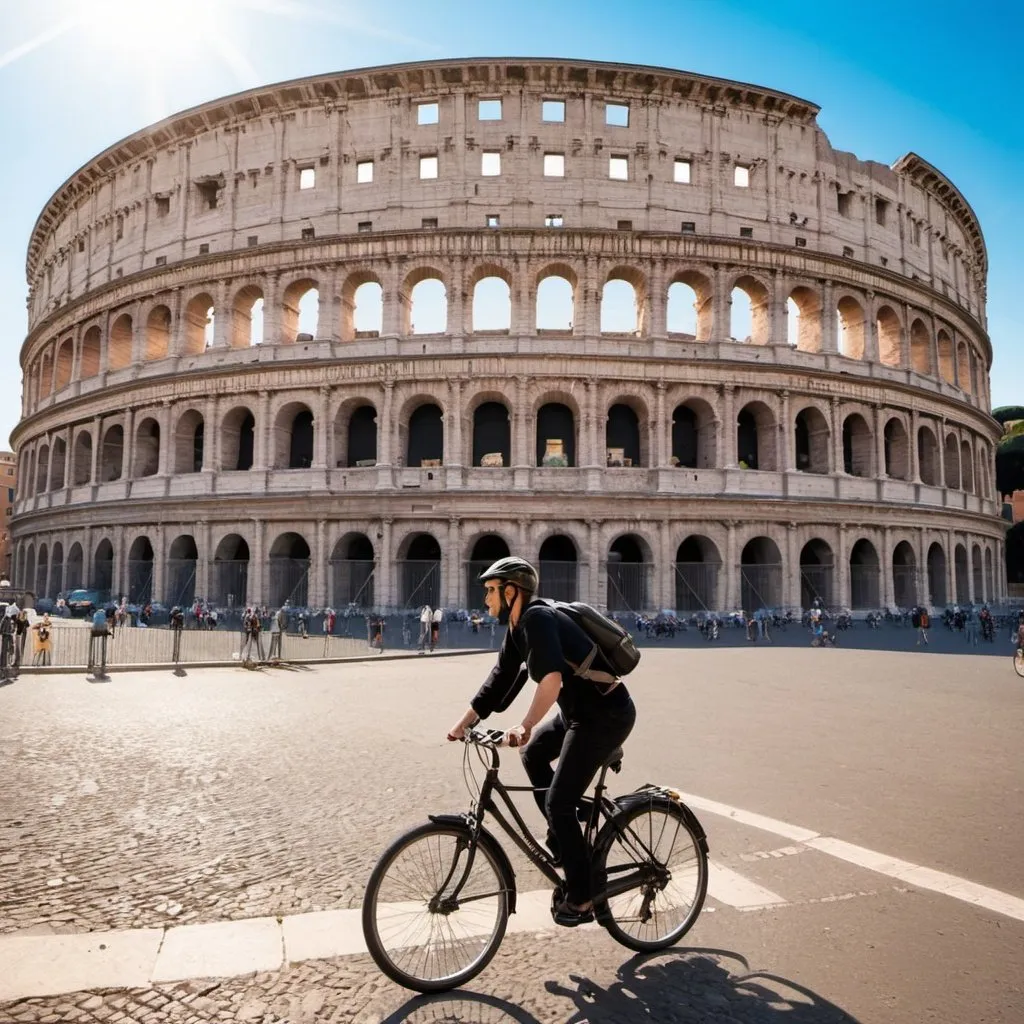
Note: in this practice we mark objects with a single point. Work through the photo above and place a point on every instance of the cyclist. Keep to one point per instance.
(593, 719)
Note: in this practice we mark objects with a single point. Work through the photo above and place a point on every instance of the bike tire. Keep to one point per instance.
(438, 841)
(691, 865)
(1018, 662)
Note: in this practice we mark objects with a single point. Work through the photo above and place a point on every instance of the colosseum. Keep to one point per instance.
(342, 339)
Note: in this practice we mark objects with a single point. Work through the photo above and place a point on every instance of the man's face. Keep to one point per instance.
(492, 596)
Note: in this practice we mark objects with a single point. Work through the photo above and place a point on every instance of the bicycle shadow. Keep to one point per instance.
(461, 1007)
(696, 985)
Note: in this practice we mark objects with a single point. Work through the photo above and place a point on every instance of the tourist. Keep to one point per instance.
(435, 628)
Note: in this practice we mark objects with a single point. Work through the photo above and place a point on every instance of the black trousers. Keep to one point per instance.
(580, 749)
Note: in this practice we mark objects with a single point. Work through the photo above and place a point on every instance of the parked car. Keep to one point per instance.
(84, 602)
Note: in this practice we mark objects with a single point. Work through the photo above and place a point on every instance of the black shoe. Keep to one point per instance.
(554, 849)
(571, 917)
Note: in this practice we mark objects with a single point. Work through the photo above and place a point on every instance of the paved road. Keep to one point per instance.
(155, 802)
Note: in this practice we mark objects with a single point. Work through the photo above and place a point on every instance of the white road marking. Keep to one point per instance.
(732, 889)
(773, 825)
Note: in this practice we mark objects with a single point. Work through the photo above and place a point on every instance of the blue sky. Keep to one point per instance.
(942, 79)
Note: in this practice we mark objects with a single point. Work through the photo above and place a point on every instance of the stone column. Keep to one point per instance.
(791, 570)
(385, 565)
(160, 563)
(721, 305)
(167, 443)
(385, 426)
(915, 462)
(657, 304)
(257, 582)
(261, 456)
(665, 568)
(829, 341)
(940, 426)
(870, 330)
(394, 301)
(88, 561)
(786, 463)
(590, 314)
(272, 310)
(453, 455)
(728, 446)
(128, 451)
(222, 318)
(845, 598)
(521, 449)
(886, 568)
(879, 442)
(598, 595)
(321, 428)
(329, 327)
(596, 419)
(838, 462)
(119, 573)
(951, 594)
(732, 569)
(211, 434)
(778, 319)
(452, 564)
(69, 436)
(460, 305)
(318, 570)
(661, 433)
(203, 558)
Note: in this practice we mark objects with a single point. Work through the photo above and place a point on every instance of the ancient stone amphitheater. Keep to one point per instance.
(346, 338)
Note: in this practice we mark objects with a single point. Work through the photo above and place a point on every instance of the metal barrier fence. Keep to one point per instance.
(696, 586)
(760, 586)
(628, 586)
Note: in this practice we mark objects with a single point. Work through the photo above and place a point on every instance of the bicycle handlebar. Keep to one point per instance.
(486, 737)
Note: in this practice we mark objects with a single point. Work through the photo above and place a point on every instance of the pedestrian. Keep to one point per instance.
(426, 618)
(970, 628)
(41, 641)
(435, 628)
(921, 621)
(98, 643)
(21, 627)
(177, 624)
(8, 669)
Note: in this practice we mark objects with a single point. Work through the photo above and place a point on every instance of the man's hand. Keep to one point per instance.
(457, 732)
(519, 736)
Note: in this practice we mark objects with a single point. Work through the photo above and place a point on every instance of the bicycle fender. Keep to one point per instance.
(648, 791)
(493, 847)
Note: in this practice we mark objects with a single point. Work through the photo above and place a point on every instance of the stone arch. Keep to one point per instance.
(46, 373)
(42, 575)
(247, 310)
(989, 578)
(355, 434)
(424, 434)
(817, 574)
(850, 328)
(951, 462)
(812, 440)
(690, 309)
(158, 333)
(42, 470)
(293, 436)
(555, 308)
(81, 459)
(556, 417)
(424, 302)
(803, 319)
(558, 566)
(626, 429)
(300, 311)
(698, 568)
(65, 364)
(896, 445)
(760, 575)
(189, 442)
(920, 347)
(180, 571)
(858, 446)
(119, 345)
(629, 564)
(963, 367)
(289, 570)
(491, 304)
(237, 439)
(904, 575)
(103, 567)
(947, 370)
(200, 321)
(92, 344)
(752, 306)
(74, 575)
(140, 570)
(967, 468)
(865, 581)
(483, 550)
(419, 567)
(352, 568)
(756, 436)
(112, 454)
(492, 432)
(927, 455)
(977, 573)
(58, 584)
(230, 574)
(624, 302)
(694, 435)
(362, 306)
(890, 336)
(57, 459)
(960, 573)
(146, 455)
(935, 562)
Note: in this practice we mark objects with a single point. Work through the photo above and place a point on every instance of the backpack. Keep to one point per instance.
(614, 644)
(925, 622)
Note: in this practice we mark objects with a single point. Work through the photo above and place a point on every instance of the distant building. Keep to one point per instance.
(8, 488)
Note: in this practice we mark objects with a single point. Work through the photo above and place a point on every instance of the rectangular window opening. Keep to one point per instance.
(746, 232)
(554, 165)
(884, 260)
(553, 111)
(489, 110)
(618, 168)
(364, 226)
(209, 193)
(428, 223)
(81, 245)
(801, 243)
(204, 248)
(120, 228)
(308, 233)
(848, 251)
(427, 113)
(553, 220)
(252, 241)
(681, 174)
(364, 172)
(307, 177)
(881, 212)
(428, 167)
(163, 205)
(493, 220)
(844, 201)
(617, 114)
(624, 225)
(688, 227)
(490, 164)
(161, 261)
(741, 176)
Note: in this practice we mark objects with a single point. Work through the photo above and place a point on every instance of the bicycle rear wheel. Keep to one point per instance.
(655, 842)
(418, 934)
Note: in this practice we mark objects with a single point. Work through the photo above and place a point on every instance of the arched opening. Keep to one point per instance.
(362, 437)
(182, 558)
(850, 328)
(293, 437)
(749, 319)
(755, 437)
(951, 462)
(556, 435)
(622, 303)
(890, 347)
(897, 450)
(936, 562)
(698, 565)
(811, 438)
(300, 312)
(199, 324)
(690, 306)
(760, 575)
(140, 571)
(81, 468)
(977, 573)
(556, 303)
(147, 449)
(46, 374)
(158, 333)
(41, 585)
(119, 354)
(622, 436)
(858, 446)
(420, 572)
(352, 572)
(42, 470)
(289, 571)
(628, 575)
(864, 576)
(487, 550)
(904, 575)
(247, 317)
(57, 584)
(963, 367)
(29, 572)
(425, 446)
(693, 435)
(57, 460)
(74, 577)
(558, 566)
(103, 569)
(989, 579)
(966, 467)
(928, 456)
(920, 348)
(963, 591)
(492, 435)
(803, 320)
(817, 572)
(231, 571)
(237, 439)
(65, 364)
(492, 305)
(112, 454)
(368, 310)
(189, 442)
(428, 307)
(91, 345)
(946, 369)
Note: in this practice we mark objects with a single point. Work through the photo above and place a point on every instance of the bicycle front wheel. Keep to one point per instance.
(1018, 662)
(419, 931)
(656, 846)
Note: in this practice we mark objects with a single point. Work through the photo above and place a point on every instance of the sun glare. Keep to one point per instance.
(148, 30)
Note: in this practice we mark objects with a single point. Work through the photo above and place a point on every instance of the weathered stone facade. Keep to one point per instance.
(170, 445)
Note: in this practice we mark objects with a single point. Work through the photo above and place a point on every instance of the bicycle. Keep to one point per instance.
(432, 921)
(1018, 661)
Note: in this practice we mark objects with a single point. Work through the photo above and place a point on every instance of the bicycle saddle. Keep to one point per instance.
(613, 760)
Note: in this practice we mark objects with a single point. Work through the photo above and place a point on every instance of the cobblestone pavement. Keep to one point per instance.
(153, 800)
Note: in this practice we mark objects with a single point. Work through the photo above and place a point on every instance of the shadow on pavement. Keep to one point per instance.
(459, 1008)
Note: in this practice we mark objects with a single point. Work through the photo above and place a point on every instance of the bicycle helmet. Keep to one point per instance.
(513, 569)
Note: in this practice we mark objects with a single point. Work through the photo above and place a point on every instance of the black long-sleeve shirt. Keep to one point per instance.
(546, 640)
